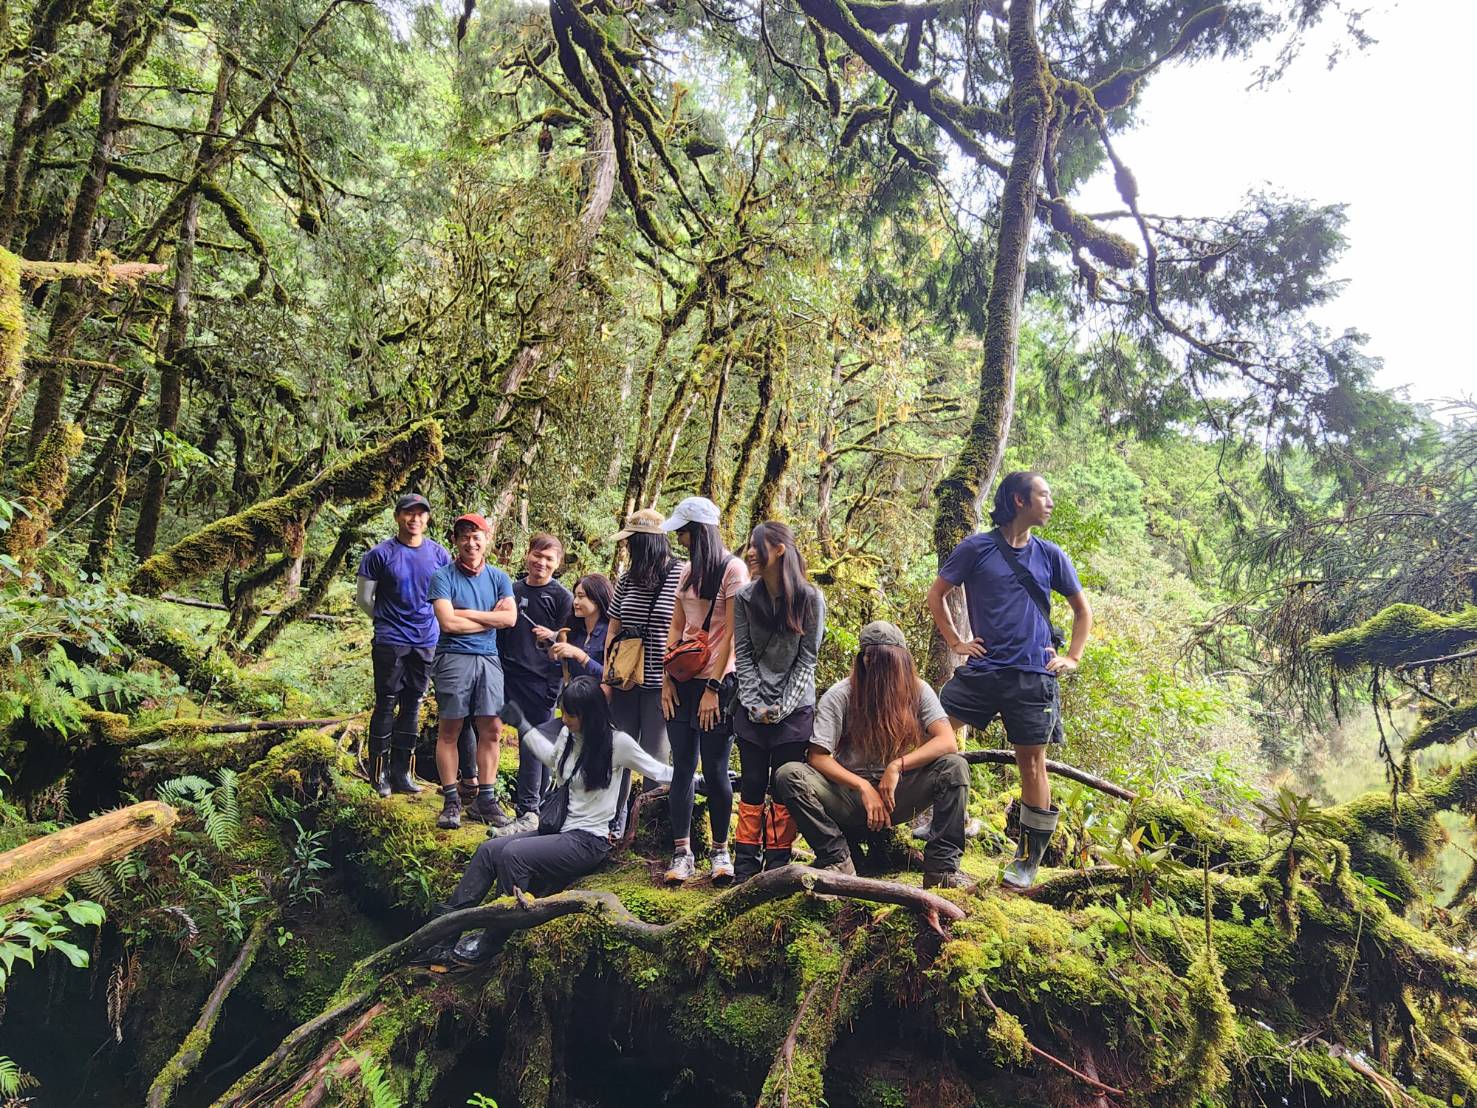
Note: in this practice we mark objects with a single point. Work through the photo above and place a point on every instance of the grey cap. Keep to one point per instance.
(695, 509)
(881, 633)
(412, 500)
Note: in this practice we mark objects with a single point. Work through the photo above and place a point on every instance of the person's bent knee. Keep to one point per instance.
(953, 771)
(791, 779)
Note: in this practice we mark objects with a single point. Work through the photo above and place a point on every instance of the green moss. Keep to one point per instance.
(1400, 634)
(41, 487)
(1444, 727)
(242, 539)
(12, 320)
(208, 672)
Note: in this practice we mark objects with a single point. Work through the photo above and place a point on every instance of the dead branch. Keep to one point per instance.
(1090, 1082)
(188, 1056)
(43, 864)
(1061, 769)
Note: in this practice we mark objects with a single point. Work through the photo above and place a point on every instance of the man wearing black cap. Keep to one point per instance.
(393, 581)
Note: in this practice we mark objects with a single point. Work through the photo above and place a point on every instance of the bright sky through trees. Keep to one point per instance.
(1383, 131)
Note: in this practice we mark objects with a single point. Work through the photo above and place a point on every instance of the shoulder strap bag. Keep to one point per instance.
(1031, 585)
(625, 655)
(686, 659)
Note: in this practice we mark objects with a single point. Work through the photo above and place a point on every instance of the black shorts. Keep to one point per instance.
(1028, 703)
(401, 672)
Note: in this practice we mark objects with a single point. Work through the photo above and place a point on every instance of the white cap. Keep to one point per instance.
(695, 509)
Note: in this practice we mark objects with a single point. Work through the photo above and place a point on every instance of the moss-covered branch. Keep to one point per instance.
(43, 485)
(274, 524)
(1400, 635)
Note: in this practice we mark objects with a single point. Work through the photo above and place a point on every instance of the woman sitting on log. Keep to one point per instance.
(585, 753)
(778, 621)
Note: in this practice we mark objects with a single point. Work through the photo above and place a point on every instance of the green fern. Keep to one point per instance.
(13, 1079)
(374, 1081)
(218, 805)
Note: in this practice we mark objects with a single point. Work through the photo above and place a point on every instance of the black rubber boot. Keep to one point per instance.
(747, 861)
(1038, 825)
(379, 773)
(778, 858)
(400, 780)
(476, 947)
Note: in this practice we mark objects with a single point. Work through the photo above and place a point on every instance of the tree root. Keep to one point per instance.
(317, 1073)
(1061, 769)
(1091, 1082)
(248, 1090)
(188, 1056)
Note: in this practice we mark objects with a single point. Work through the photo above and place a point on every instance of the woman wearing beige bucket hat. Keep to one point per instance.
(644, 598)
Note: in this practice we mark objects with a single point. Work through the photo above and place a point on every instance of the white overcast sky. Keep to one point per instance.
(1381, 131)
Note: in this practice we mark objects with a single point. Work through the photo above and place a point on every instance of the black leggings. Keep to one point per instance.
(758, 763)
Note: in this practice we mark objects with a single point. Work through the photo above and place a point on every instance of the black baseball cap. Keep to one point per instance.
(412, 500)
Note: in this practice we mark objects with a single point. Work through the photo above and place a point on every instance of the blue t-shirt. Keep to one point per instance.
(481, 592)
(1002, 614)
(402, 574)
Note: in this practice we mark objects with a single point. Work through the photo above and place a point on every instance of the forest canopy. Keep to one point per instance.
(266, 265)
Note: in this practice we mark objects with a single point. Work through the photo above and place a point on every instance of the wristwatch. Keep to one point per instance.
(713, 686)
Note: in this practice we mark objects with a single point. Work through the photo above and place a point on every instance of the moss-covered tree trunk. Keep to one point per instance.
(825, 483)
(171, 376)
(754, 441)
(961, 493)
(42, 487)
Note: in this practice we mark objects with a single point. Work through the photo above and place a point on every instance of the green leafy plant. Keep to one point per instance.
(308, 861)
(374, 1081)
(34, 926)
(218, 806)
(13, 1079)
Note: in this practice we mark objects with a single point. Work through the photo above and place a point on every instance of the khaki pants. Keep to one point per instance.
(827, 812)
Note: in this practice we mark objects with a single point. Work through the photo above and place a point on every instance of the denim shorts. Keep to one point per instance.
(1028, 703)
(467, 685)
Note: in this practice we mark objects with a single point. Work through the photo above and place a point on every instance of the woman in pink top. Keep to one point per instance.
(696, 725)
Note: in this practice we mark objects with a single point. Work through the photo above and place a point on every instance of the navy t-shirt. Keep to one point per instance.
(1002, 614)
(548, 605)
(478, 591)
(401, 576)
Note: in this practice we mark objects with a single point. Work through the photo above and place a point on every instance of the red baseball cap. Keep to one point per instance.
(475, 520)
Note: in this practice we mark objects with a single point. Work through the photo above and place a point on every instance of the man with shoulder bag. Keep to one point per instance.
(1013, 655)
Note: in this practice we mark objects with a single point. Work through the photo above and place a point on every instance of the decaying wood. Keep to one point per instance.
(1061, 769)
(43, 864)
(188, 1056)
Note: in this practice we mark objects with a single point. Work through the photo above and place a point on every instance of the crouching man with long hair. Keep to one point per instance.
(881, 751)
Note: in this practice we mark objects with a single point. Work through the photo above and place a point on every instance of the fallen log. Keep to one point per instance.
(211, 606)
(1061, 769)
(44, 864)
(182, 728)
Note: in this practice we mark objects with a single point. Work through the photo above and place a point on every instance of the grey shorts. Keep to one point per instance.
(467, 685)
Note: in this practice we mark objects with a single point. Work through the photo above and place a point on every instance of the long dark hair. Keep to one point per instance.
(651, 560)
(797, 594)
(882, 715)
(705, 577)
(597, 589)
(584, 700)
(1012, 485)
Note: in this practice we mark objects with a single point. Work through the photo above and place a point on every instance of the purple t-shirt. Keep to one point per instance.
(402, 577)
(1002, 614)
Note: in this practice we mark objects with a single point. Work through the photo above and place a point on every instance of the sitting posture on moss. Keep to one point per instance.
(584, 754)
(881, 751)
(394, 582)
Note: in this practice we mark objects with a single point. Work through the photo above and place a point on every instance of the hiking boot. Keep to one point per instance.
(1038, 825)
(486, 809)
(379, 774)
(748, 861)
(722, 865)
(466, 790)
(400, 779)
(778, 858)
(682, 868)
(948, 879)
(451, 812)
(844, 866)
(528, 821)
(476, 947)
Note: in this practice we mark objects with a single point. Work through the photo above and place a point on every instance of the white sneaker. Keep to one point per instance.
(528, 821)
(682, 867)
(722, 866)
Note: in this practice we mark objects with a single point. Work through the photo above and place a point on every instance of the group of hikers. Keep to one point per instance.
(662, 672)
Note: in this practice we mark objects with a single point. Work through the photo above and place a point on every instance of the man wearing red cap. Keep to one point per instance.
(471, 600)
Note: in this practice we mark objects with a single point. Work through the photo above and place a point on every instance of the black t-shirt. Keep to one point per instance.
(550, 606)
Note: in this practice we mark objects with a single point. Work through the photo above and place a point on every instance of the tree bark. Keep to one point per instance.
(112, 473)
(709, 487)
(962, 492)
(44, 864)
(171, 376)
(753, 442)
(769, 494)
(825, 483)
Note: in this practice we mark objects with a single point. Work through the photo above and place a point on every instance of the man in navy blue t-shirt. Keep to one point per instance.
(1012, 656)
(393, 580)
(471, 600)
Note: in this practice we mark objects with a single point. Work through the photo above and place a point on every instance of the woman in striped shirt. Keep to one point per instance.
(644, 598)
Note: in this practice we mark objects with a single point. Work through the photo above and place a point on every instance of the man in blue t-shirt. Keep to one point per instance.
(471, 601)
(393, 581)
(1013, 655)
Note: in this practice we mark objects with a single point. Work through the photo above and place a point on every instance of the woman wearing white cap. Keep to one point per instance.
(696, 724)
